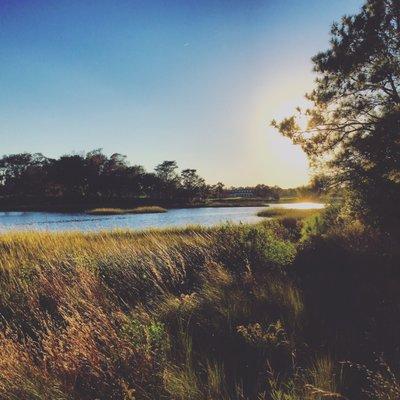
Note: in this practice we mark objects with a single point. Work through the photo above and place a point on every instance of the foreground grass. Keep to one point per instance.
(190, 314)
(135, 315)
(121, 211)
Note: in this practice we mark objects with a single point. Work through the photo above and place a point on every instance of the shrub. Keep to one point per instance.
(257, 246)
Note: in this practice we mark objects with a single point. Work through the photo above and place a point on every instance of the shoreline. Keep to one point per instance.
(84, 207)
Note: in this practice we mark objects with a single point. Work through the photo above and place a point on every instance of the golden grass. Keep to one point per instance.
(69, 326)
(122, 211)
(288, 213)
(102, 315)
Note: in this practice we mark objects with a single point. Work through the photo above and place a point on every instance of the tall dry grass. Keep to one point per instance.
(98, 315)
(179, 314)
(67, 300)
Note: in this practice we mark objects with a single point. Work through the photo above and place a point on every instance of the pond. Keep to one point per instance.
(206, 216)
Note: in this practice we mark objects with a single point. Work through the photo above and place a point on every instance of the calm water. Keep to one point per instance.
(172, 218)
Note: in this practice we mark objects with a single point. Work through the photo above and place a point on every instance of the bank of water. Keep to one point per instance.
(206, 216)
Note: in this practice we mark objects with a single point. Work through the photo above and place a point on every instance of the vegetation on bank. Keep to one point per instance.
(131, 315)
(232, 312)
(122, 211)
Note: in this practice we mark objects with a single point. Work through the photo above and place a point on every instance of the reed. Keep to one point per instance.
(194, 313)
(102, 315)
(122, 211)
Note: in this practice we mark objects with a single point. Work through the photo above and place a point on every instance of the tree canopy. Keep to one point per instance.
(77, 179)
(94, 177)
(352, 128)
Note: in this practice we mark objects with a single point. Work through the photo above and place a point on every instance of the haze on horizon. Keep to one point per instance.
(193, 81)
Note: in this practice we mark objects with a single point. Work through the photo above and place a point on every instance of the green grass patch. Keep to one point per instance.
(288, 213)
(122, 211)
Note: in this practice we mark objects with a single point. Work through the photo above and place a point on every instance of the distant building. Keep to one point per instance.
(240, 192)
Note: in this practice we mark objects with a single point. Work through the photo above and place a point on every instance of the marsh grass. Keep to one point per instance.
(122, 211)
(288, 213)
(178, 314)
(97, 315)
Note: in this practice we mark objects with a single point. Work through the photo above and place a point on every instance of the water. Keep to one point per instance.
(206, 216)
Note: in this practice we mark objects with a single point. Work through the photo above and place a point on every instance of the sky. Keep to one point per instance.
(196, 81)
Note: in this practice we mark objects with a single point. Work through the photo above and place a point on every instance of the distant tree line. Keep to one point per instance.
(94, 177)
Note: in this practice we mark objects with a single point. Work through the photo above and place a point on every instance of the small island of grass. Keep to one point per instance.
(288, 213)
(122, 211)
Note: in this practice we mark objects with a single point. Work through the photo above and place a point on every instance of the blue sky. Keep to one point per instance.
(193, 81)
